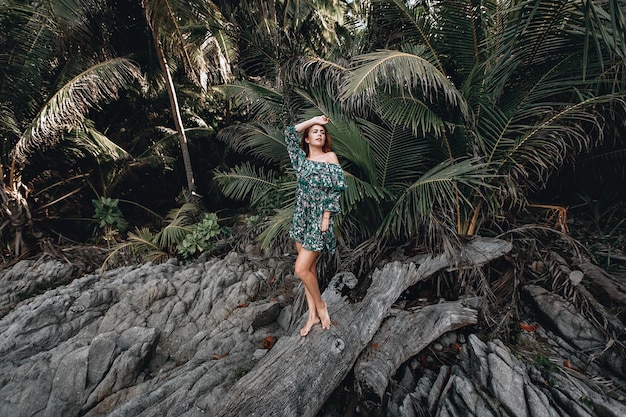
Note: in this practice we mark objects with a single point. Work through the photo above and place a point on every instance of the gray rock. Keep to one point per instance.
(259, 353)
(490, 381)
(152, 340)
(262, 313)
(28, 276)
(172, 339)
(284, 318)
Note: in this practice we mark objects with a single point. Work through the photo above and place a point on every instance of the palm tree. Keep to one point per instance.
(465, 113)
(64, 62)
(48, 89)
(193, 34)
(520, 104)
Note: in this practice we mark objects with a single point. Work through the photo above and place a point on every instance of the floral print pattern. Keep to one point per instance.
(319, 188)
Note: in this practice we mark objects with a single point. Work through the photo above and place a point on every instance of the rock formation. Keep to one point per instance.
(214, 337)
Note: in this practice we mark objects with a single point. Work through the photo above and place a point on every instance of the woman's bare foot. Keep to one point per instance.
(325, 318)
(312, 321)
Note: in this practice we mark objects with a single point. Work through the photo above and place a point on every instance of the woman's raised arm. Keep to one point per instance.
(317, 120)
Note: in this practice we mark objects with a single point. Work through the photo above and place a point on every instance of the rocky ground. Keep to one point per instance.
(173, 339)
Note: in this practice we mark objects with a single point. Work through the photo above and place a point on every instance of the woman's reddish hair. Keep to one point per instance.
(328, 143)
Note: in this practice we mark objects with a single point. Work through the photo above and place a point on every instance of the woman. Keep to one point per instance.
(320, 181)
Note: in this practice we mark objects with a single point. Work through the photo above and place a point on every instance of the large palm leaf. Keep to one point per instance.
(246, 182)
(399, 156)
(261, 141)
(69, 106)
(431, 203)
(390, 69)
(259, 100)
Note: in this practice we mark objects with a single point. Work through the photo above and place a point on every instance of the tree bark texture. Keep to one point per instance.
(402, 335)
(298, 375)
(603, 283)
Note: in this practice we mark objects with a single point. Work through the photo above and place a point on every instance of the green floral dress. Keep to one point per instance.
(319, 187)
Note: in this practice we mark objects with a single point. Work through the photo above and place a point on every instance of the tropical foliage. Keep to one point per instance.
(188, 231)
(450, 115)
(63, 65)
(201, 238)
(110, 217)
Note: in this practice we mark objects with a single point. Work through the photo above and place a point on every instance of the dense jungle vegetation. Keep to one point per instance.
(156, 125)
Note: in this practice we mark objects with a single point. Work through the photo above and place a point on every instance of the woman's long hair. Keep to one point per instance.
(328, 143)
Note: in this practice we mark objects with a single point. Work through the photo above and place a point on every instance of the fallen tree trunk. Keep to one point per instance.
(612, 290)
(298, 375)
(401, 336)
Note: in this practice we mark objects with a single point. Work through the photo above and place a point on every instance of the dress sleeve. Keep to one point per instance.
(296, 154)
(334, 193)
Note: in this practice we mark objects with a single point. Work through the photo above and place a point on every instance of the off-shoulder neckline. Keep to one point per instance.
(322, 162)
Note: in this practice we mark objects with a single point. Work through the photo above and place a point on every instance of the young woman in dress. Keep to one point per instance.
(320, 182)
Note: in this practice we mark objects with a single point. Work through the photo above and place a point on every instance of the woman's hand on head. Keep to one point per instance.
(321, 120)
(317, 120)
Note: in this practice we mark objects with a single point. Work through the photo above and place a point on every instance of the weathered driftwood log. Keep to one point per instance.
(607, 284)
(298, 375)
(402, 335)
(611, 290)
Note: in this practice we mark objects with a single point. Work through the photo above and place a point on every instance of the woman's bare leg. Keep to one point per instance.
(313, 318)
(305, 269)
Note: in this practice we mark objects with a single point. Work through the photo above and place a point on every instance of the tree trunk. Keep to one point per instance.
(171, 92)
(403, 335)
(299, 374)
(603, 283)
(15, 208)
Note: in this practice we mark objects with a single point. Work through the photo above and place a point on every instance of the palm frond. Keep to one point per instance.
(387, 70)
(537, 33)
(600, 27)
(435, 196)
(276, 226)
(97, 144)
(354, 150)
(68, 107)
(28, 52)
(262, 141)
(463, 27)
(142, 240)
(358, 190)
(569, 129)
(186, 214)
(412, 112)
(264, 103)
(140, 243)
(321, 73)
(247, 182)
(407, 24)
(170, 236)
(178, 225)
(8, 123)
(399, 156)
